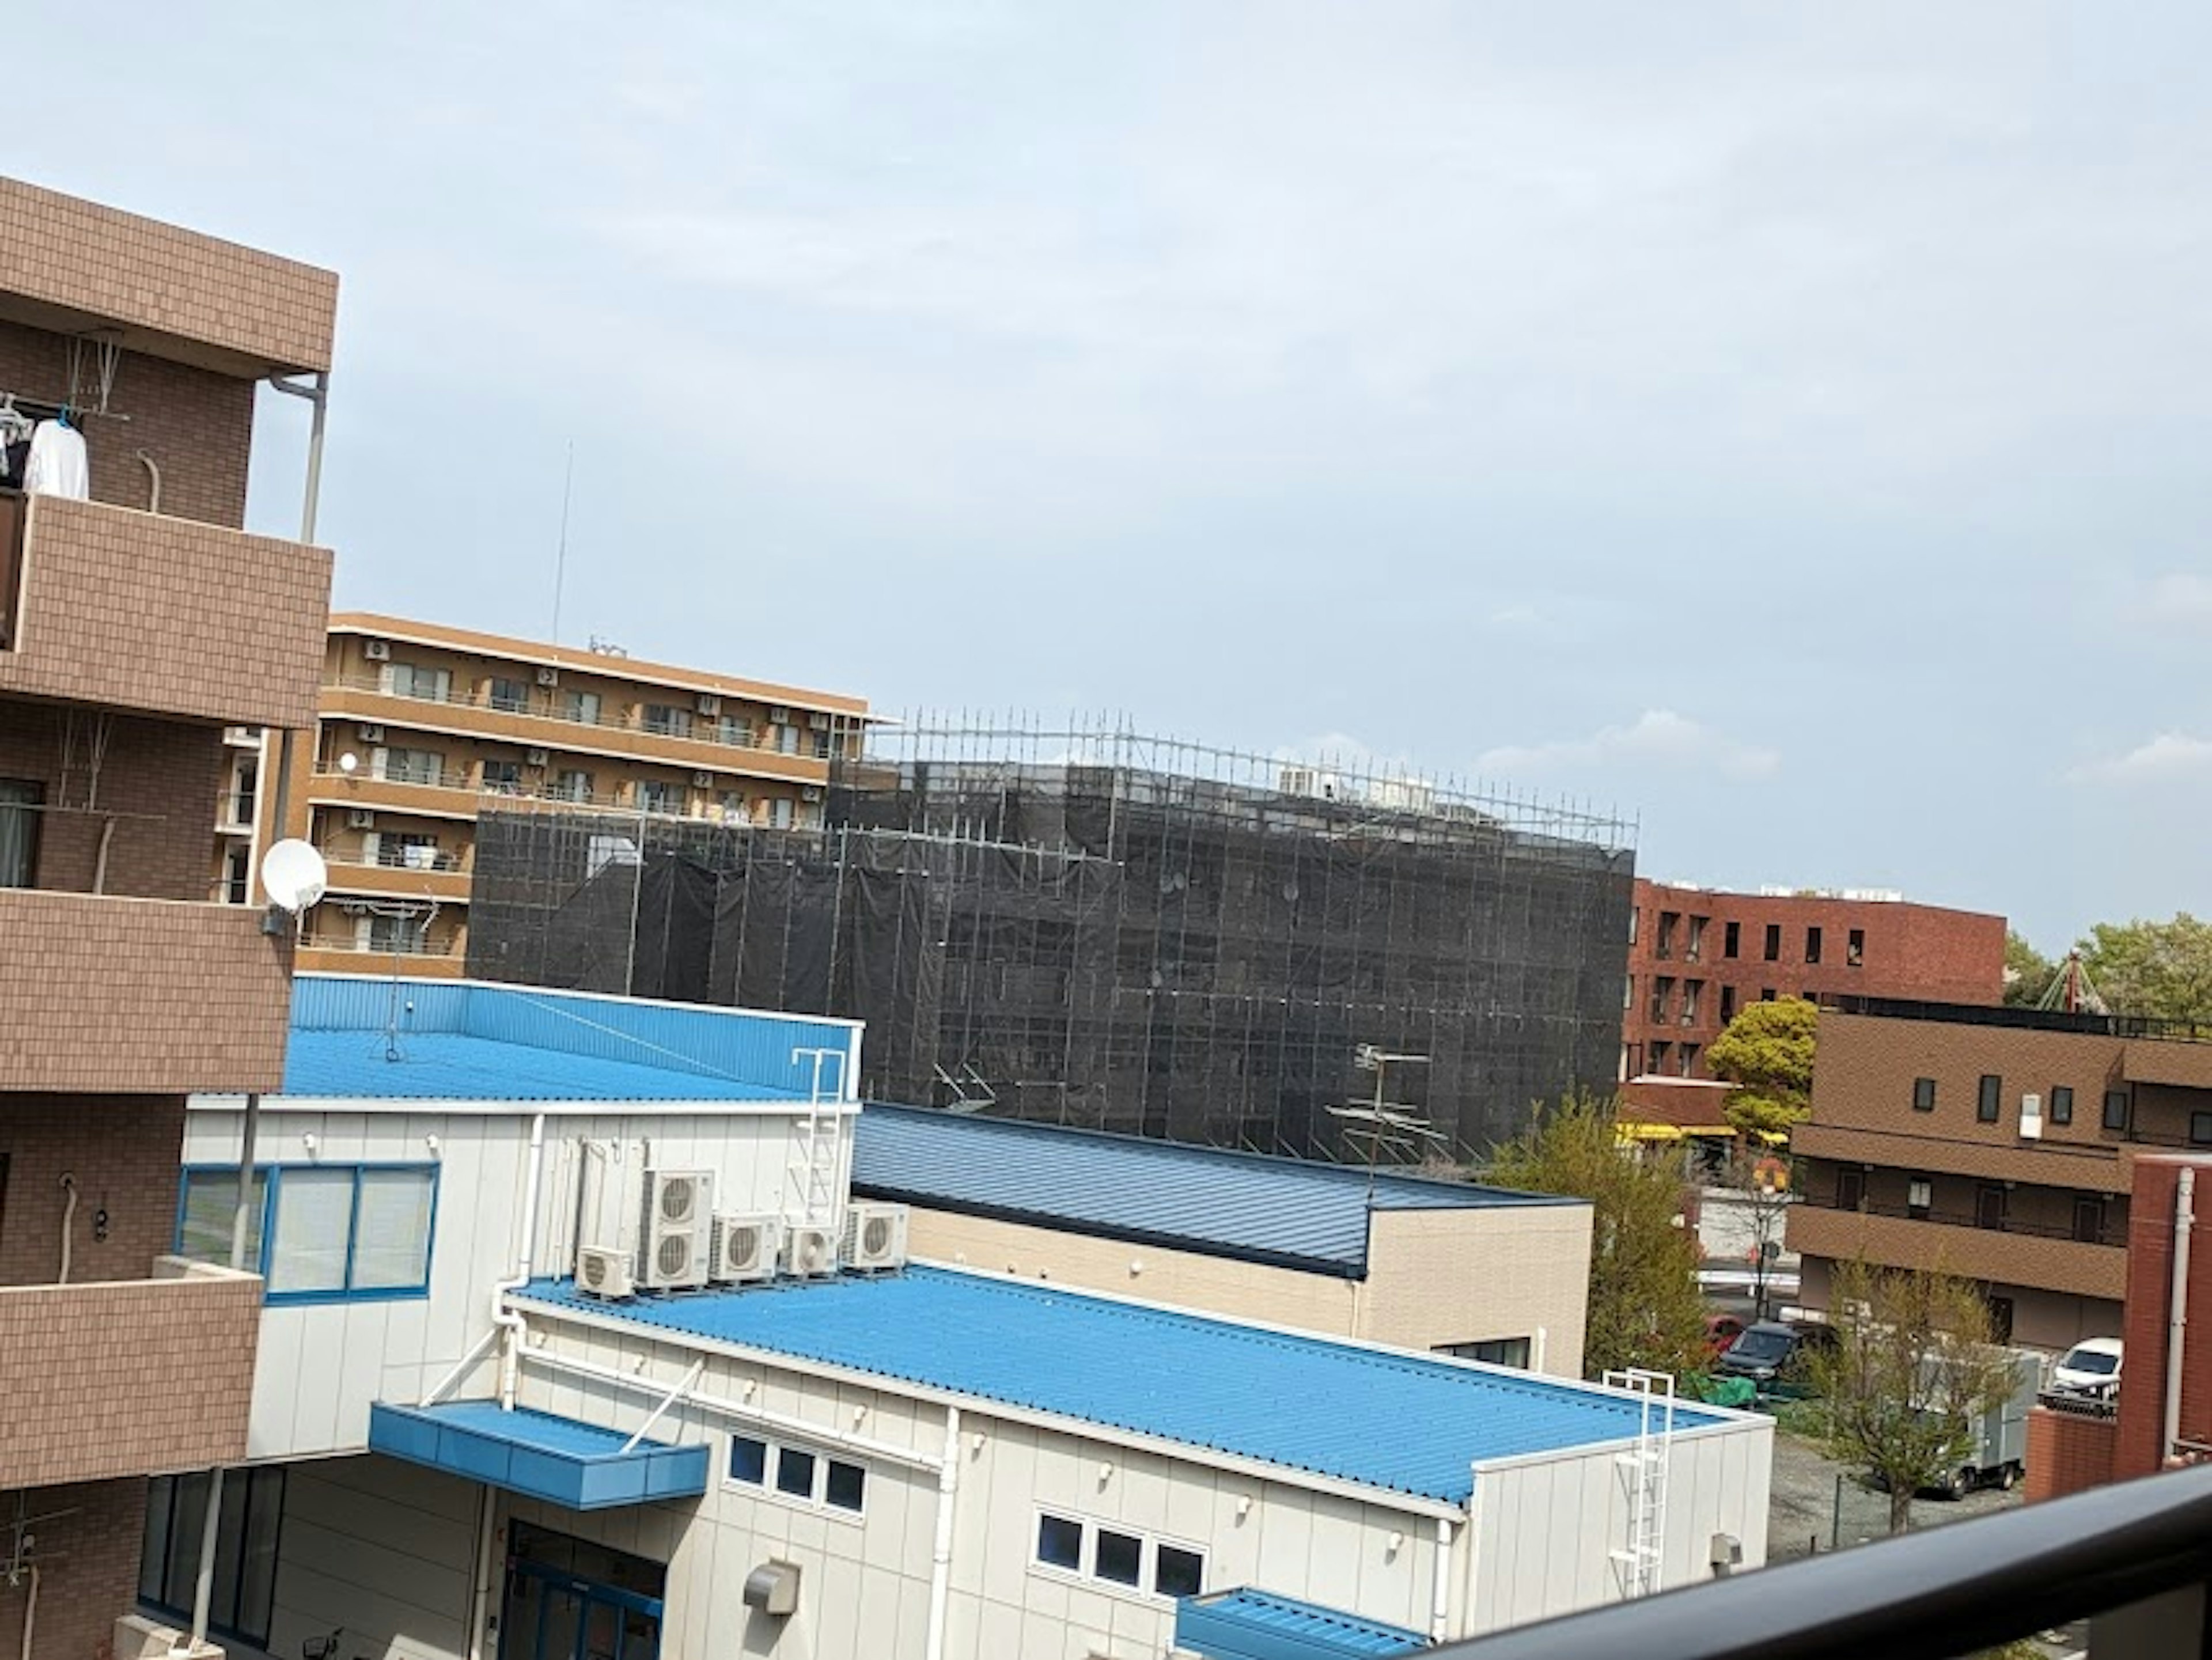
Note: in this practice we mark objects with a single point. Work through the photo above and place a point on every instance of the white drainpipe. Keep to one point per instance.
(510, 1363)
(2176, 1314)
(940, 1555)
(1440, 1586)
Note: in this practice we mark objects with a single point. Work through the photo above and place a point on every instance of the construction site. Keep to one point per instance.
(1091, 928)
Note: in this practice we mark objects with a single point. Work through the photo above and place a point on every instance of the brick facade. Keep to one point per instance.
(2067, 1452)
(1903, 949)
(91, 1536)
(158, 780)
(2139, 1450)
(122, 1151)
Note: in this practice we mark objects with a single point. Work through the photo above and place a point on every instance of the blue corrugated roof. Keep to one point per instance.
(1258, 1625)
(358, 1038)
(1385, 1419)
(580, 1466)
(1290, 1211)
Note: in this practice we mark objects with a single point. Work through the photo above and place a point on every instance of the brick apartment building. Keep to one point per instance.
(1698, 955)
(421, 724)
(2003, 1145)
(137, 623)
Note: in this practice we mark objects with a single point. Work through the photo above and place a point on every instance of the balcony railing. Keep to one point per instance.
(2107, 1234)
(700, 729)
(2140, 1550)
(329, 783)
(2058, 1264)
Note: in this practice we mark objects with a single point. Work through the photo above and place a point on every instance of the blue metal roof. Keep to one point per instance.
(363, 1038)
(1291, 1212)
(1258, 1625)
(1404, 1422)
(580, 1466)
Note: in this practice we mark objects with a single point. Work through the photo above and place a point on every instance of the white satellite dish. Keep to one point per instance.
(294, 875)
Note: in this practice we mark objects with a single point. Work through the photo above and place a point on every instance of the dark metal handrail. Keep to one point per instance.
(1975, 1014)
(1934, 1596)
(2111, 1233)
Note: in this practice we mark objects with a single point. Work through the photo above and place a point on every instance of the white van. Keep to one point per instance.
(2091, 1368)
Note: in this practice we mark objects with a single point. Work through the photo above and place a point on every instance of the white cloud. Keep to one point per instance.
(1514, 617)
(2170, 755)
(1654, 736)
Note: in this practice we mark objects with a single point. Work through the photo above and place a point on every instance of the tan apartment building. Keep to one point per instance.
(138, 623)
(421, 724)
(2000, 1144)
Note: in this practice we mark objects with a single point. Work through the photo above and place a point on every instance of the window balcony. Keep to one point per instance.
(126, 1377)
(138, 996)
(111, 606)
(447, 880)
(2049, 1259)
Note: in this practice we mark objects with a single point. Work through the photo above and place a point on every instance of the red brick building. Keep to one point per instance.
(1698, 955)
(140, 630)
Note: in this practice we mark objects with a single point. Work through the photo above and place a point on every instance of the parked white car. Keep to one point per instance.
(2091, 1368)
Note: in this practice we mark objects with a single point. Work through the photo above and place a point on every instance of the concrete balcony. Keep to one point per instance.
(448, 885)
(336, 954)
(138, 996)
(129, 1377)
(111, 606)
(1996, 1255)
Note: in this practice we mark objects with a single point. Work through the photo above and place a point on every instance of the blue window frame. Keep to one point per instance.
(320, 1233)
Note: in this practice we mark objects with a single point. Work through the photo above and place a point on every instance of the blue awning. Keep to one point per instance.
(580, 1466)
(1258, 1625)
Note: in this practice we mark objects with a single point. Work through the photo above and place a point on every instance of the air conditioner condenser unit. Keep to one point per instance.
(604, 1274)
(810, 1252)
(677, 1229)
(745, 1248)
(875, 1238)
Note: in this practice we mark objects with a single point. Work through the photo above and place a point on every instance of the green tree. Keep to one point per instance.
(1913, 1365)
(1646, 1309)
(1766, 1052)
(2160, 970)
(2027, 971)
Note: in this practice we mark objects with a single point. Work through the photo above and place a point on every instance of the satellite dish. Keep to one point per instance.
(293, 874)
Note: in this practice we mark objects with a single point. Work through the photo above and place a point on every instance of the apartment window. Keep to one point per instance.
(1060, 1543)
(503, 777)
(2200, 1129)
(822, 744)
(781, 812)
(1919, 1198)
(1628, 992)
(394, 936)
(731, 803)
(1495, 1350)
(509, 697)
(408, 766)
(1732, 941)
(1766, 994)
(844, 1485)
(666, 720)
(1812, 946)
(1924, 1095)
(1851, 1186)
(2116, 1110)
(1663, 993)
(1855, 948)
(20, 800)
(237, 877)
(245, 1579)
(2090, 1216)
(408, 680)
(1690, 990)
(2062, 1104)
(1689, 1059)
(734, 730)
(403, 850)
(1120, 1558)
(1665, 947)
(1662, 1052)
(794, 1472)
(1694, 947)
(1990, 1206)
(573, 786)
(657, 795)
(749, 1461)
(245, 779)
(1728, 1003)
(1177, 1572)
(582, 707)
(1989, 1100)
(1774, 942)
(319, 1232)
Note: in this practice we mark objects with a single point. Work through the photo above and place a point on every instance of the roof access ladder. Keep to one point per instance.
(812, 1173)
(1642, 1561)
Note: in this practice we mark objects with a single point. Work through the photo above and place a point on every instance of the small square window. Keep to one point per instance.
(1728, 1003)
(1774, 942)
(794, 1472)
(847, 1485)
(1989, 1101)
(1766, 994)
(2116, 1110)
(1060, 1542)
(1855, 948)
(1812, 944)
(1924, 1095)
(2062, 1104)
(1121, 1558)
(1178, 1573)
(748, 1460)
(2200, 1129)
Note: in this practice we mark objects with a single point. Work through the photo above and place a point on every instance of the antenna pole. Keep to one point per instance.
(561, 551)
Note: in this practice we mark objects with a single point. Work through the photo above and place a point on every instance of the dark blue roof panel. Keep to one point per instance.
(1402, 1422)
(1258, 1625)
(580, 1466)
(1296, 1212)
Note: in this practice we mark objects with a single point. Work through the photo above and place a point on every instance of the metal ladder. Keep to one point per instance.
(1641, 1563)
(813, 1170)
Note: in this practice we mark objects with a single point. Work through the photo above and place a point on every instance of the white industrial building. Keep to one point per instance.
(461, 1452)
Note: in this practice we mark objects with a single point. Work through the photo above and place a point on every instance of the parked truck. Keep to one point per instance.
(1998, 1456)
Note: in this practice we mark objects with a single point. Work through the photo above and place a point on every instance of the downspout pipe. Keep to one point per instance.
(510, 1320)
(2177, 1313)
(940, 1553)
(1440, 1586)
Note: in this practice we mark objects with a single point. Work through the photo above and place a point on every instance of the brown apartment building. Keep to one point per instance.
(1698, 955)
(138, 622)
(2000, 1144)
(420, 725)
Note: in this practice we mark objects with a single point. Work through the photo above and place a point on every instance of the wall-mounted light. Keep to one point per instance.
(1105, 1472)
(1397, 1543)
(1243, 1506)
(308, 1140)
(432, 1144)
(1136, 1267)
(976, 1441)
(349, 763)
(860, 1415)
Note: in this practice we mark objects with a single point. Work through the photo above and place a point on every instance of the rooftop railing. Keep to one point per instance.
(2134, 1558)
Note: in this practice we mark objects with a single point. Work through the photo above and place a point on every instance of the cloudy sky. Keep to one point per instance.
(1789, 424)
